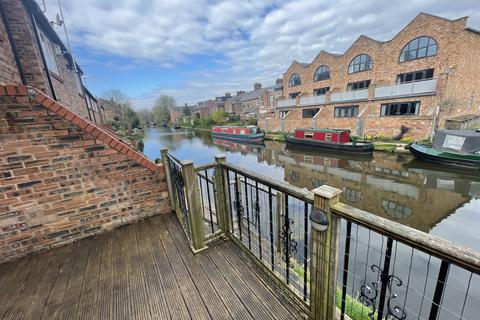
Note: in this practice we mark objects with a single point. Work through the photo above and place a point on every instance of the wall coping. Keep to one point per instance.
(86, 125)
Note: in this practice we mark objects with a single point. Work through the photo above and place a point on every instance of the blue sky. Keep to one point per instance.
(195, 50)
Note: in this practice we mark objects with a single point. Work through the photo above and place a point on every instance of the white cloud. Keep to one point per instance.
(258, 39)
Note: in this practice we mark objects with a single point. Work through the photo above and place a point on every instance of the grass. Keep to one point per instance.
(385, 147)
(353, 308)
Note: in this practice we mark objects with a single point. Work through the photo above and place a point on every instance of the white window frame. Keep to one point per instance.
(48, 52)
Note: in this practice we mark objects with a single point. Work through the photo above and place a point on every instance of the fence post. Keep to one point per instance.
(166, 165)
(192, 195)
(221, 186)
(324, 229)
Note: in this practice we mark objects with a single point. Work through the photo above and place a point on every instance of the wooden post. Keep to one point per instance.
(194, 206)
(324, 255)
(164, 153)
(221, 202)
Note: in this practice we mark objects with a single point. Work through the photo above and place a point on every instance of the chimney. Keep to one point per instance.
(186, 104)
(257, 85)
(228, 95)
(239, 93)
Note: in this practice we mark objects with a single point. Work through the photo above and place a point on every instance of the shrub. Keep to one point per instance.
(403, 131)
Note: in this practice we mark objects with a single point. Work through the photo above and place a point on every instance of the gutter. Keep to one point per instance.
(12, 44)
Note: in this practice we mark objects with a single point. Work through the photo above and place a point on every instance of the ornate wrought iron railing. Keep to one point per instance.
(206, 183)
(350, 264)
(271, 220)
(397, 272)
(178, 193)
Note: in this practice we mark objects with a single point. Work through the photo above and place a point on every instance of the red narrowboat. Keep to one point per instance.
(251, 134)
(335, 140)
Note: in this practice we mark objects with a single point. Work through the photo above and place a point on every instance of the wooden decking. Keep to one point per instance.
(140, 271)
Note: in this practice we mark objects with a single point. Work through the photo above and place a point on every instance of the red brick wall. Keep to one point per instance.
(26, 44)
(456, 65)
(64, 83)
(60, 183)
(9, 70)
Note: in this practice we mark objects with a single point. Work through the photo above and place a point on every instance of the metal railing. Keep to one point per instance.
(401, 273)
(206, 183)
(271, 221)
(357, 266)
(178, 193)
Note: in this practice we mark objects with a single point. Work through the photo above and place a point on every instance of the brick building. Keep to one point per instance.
(418, 79)
(32, 53)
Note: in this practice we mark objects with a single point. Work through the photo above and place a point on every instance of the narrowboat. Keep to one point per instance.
(250, 134)
(457, 148)
(333, 140)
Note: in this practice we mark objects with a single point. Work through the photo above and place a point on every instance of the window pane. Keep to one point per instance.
(432, 50)
(423, 42)
(413, 44)
(422, 52)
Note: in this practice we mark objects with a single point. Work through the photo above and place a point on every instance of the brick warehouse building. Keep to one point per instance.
(33, 54)
(426, 74)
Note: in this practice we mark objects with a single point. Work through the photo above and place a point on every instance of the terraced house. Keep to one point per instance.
(32, 53)
(423, 76)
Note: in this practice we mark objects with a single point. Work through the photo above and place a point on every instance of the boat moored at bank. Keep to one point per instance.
(333, 140)
(251, 134)
(457, 148)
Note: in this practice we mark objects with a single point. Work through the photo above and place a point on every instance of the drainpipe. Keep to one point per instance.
(12, 44)
(37, 36)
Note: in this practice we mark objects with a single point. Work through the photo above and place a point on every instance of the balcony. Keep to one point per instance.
(356, 95)
(313, 100)
(286, 103)
(141, 271)
(407, 89)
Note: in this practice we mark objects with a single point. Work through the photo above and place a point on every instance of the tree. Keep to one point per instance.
(186, 111)
(219, 116)
(161, 110)
(124, 116)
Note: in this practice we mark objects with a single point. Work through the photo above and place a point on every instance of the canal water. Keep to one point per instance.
(426, 197)
(394, 186)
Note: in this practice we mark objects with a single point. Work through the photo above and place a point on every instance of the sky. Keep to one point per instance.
(198, 49)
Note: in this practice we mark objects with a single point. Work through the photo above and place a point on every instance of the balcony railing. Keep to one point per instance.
(349, 96)
(286, 103)
(331, 257)
(314, 100)
(407, 89)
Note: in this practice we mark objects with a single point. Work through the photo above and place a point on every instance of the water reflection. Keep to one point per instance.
(393, 186)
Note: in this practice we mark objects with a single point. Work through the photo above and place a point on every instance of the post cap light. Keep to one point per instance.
(319, 220)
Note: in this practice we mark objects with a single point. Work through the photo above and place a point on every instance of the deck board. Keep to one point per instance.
(140, 271)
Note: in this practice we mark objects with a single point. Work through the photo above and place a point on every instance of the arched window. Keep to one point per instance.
(294, 80)
(419, 48)
(322, 73)
(360, 63)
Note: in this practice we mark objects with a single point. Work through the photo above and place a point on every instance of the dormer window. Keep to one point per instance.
(294, 80)
(322, 73)
(419, 48)
(360, 63)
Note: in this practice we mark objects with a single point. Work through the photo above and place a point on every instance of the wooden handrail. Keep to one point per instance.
(297, 192)
(460, 255)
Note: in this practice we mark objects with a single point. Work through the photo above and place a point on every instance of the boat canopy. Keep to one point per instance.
(465, 141)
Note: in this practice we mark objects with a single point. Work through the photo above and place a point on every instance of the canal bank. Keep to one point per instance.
(380, 145)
